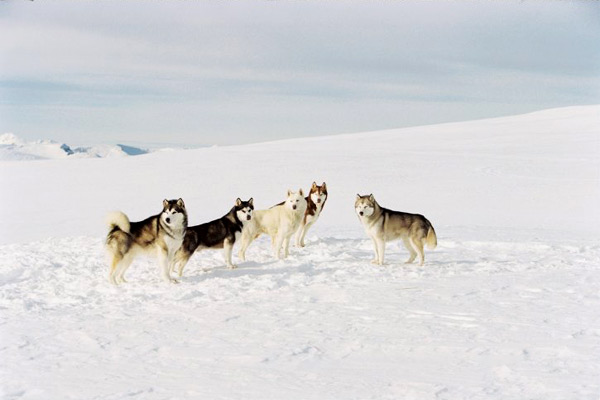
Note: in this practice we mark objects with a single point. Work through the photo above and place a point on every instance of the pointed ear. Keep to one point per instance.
(314, 185)
(238, 202)
(180, 203)
(165, 203)
(251, 201)
(371, 197)
(324, 186)
(300, 192)
(289, 192)
(357, 196)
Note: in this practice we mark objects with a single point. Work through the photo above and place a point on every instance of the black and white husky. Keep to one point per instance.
(161, 234)
(221, 233)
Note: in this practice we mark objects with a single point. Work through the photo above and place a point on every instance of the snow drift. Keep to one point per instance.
(505, 307)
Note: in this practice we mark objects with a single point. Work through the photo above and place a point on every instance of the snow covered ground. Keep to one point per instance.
(507, 306)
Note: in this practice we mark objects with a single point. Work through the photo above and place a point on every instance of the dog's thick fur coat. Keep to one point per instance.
(384, 225)
(161, 234)
(315, 202)
(280, 222)
(221, 233)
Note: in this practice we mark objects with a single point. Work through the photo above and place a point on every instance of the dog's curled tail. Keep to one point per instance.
(117, 219)
(431, 238)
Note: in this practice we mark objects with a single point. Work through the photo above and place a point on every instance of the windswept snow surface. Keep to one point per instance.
(507, 306)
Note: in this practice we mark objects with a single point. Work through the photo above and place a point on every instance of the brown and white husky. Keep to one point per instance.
(315, 201)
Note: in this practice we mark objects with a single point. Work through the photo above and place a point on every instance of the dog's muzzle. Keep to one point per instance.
(294, 206)
(318, 200)
(360, 213)
(168, 220)
(248, 217)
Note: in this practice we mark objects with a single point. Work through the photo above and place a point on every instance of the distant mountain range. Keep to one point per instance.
(12, 148)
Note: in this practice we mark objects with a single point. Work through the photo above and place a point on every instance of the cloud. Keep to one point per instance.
(216, 71)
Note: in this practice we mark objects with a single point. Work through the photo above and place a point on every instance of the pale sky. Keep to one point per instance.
(226, 72)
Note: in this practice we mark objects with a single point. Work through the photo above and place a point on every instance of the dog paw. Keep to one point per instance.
(375, 261)
(232, 266)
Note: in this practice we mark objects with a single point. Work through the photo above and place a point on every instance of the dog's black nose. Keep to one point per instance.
(318, 200)
(248, 217)
(361, 213)
(168, 220)
(294, 206)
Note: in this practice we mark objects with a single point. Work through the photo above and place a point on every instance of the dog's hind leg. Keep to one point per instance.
(417, 245)
(114, 265)
(227, 249)
(413, 253)
(123, 265)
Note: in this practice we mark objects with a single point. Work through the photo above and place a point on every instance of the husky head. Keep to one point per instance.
(244, 209)
(174, 214)
(295, 200)
(318, 194)
(365, 205)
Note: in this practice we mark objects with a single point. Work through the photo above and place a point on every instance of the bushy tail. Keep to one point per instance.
(431, 239)
(119, 220)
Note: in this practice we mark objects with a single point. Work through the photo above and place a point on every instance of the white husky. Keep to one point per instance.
(280, 222)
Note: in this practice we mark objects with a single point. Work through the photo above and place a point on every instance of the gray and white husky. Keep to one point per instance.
(383, 225)
(221, 233)
(161, 234)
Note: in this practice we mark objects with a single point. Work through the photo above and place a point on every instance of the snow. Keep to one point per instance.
(506, 306)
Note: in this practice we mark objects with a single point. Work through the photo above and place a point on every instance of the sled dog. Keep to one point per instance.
(315, 201)
(280, 222)
(221, 233)
(383, 225)
(160, 234)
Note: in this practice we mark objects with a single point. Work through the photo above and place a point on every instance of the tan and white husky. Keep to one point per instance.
(383, 225)
(280, 222)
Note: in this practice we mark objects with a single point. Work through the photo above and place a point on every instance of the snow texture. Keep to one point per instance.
(507, 306)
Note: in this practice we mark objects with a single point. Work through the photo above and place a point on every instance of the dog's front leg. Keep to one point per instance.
(286, 246)
(376, 250)
(300, 235)
(227, 249)
(244, 246)
(277, 243)
(163, 262)
(380, 250)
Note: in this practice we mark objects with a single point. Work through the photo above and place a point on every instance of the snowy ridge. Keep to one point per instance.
(505, 308)
(12, 148)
